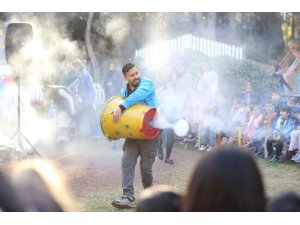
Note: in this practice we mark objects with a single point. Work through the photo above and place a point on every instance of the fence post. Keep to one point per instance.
(188, 41)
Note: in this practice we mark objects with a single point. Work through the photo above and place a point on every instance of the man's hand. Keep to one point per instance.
(116, 114)
(276, 137)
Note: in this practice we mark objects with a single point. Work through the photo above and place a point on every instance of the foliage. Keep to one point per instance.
(234, 72)
(263, 35)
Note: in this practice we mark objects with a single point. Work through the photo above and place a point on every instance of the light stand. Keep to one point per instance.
(18, 134)
(17, 36)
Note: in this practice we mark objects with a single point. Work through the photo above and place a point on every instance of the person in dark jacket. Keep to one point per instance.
(112, 82)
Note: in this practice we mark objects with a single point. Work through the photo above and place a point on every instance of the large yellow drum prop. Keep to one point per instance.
(133, 124)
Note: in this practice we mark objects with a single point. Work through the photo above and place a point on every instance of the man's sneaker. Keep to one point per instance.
(297, 160)
(169, 161)
(124, 203)
(276, 160)
(259, 154)
(271, 158)
(224, 140)
(296, 156)
(203, 147)
(209, 148)
(160, 156)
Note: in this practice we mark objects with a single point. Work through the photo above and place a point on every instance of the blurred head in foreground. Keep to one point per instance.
(41, 186)
(160, 198)
(226, 179)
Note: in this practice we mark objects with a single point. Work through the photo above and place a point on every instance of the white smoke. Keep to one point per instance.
(117, 28)
(181, 128)
(45, 52)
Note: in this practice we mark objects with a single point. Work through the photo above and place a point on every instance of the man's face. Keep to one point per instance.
(248, 86)
(75, 69)
(179, 68)
(269, 107)
(112, 67)
(275, 97)
(132, 77)
(204, 66)
(283, 114)
(291, 102)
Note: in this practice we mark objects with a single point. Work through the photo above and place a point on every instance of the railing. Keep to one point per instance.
(188, 41)
(34, 94)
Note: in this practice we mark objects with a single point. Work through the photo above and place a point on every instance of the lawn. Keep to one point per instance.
(97, 197)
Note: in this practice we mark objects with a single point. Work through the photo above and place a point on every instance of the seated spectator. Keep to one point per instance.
(40, 186)
(286, 202)
(160, 198)
(293, 152)
(293, 104)
(265, 131)
(249, 95)
(237, 119)
(282, 128)
(277, 102)
(112, 81)
(254, 123)
(225, 180)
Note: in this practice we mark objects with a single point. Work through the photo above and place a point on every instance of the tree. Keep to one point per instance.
(89, 46)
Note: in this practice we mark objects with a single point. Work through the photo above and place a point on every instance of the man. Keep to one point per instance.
(170, 110)
(250, 97)
(137, 91)
(112, 82)
(87, 93)
(64, 110)
(208, 90)
(282, 128)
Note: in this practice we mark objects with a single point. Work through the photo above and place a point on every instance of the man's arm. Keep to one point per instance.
(286, 84)
(89, 85)
(141, 93)
(145, 88)
(74, 84)
(65, 95)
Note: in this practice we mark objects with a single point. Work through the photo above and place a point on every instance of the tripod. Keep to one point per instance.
(18, 134)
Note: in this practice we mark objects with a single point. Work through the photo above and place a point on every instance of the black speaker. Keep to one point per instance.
(17, 35)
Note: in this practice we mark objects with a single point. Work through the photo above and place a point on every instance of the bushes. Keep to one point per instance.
(233, 73)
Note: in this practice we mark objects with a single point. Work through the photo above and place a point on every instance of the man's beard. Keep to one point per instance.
(136, 82)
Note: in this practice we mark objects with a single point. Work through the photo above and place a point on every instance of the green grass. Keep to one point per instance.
(277, 178)
(280, 177)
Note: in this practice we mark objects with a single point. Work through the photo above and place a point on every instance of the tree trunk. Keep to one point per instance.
(293, 26)
(91, 53)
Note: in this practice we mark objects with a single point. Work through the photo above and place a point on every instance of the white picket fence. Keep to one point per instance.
(188, 42)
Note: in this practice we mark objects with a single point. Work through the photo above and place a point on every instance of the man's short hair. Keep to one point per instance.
(77, 63)
(286, 109)
(127, 67)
